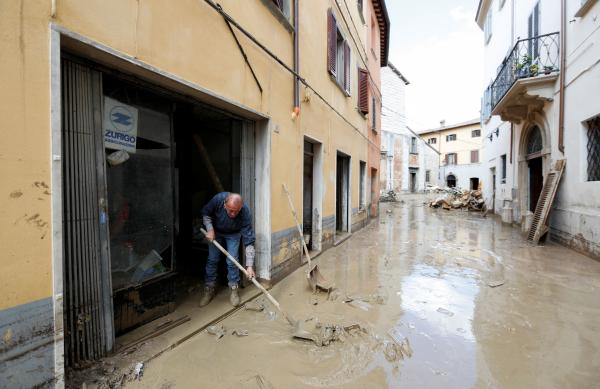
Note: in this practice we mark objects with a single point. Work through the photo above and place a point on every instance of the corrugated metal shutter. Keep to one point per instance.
(331, 43)
(85, 275)
(363, 91)
(346, 67)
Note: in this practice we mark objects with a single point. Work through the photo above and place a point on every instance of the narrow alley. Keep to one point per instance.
(467, 301)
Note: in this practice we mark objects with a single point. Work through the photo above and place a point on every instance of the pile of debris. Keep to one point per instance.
(471, 200)
(388, 197)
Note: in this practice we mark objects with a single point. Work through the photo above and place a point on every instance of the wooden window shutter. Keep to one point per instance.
(331, 42)
(346, 67)
(446, 159)
(363, 91)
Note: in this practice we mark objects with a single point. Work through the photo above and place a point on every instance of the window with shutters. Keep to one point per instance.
(427, 176)
(338, 54)
(282, 10)
(363, 91)
(373, 114)
(474, 156)
(451, 159)
(450, 138)
(432, 141)
(475, 133)
(503, 168)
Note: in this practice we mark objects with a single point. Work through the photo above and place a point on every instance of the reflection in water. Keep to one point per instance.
(536, 327)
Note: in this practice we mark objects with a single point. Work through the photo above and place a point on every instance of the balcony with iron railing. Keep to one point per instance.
(525, 77)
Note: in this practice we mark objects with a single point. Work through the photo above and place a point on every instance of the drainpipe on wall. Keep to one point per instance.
(563, 62)
(296, 111)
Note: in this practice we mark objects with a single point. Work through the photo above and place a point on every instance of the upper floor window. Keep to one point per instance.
(413, 145)
(427, 175)
(474, 156)
(451, 159)
(338, 54)
(373, 114)
(363, 91)
(487, 27)
(503, 168)
(533, 30)
(284, 6)
(475, 133)
(450, 138)
(432, 141)
(593, 149)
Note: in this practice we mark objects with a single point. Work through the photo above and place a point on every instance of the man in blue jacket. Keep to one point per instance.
(228, 220)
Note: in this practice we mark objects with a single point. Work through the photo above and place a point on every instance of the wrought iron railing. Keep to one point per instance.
(529, 57)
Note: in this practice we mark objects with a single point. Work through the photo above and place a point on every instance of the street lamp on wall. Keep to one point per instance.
(497, 132)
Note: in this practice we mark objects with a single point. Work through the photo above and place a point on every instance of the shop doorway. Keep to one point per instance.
(139, 162)
(342, 194)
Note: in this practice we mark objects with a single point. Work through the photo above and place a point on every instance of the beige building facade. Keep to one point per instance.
(459, 147)
(122, 118)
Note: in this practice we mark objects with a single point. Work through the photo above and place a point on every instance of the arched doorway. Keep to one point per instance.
(451, 181)
(535, 145)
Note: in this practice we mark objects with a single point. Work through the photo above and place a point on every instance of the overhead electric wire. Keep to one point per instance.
(219, 9)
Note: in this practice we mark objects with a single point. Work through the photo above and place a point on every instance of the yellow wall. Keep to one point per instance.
(462, 146)
(190, 40)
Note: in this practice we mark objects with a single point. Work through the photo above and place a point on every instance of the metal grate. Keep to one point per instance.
(593, 149)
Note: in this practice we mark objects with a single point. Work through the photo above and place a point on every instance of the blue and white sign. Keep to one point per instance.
(119, 125)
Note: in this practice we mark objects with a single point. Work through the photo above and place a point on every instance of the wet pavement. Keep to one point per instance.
(445, 299)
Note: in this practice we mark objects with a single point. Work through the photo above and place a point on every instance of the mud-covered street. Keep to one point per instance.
(445, 299)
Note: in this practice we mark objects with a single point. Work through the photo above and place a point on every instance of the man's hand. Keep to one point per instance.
(251, 273)
(210, 235)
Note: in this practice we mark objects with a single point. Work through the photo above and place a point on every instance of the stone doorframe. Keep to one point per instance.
(521, 204)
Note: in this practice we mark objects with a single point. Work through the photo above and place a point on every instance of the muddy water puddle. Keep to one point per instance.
(443, 300)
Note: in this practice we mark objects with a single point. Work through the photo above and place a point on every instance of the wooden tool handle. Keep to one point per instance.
(256, 283)
(289, 197)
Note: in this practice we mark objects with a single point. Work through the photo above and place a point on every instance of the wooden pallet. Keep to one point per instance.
(539, 225)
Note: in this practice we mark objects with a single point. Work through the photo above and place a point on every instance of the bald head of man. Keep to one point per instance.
(233, 204)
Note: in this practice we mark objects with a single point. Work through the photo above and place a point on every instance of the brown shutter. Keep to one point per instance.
(331, 42)
(363, 91)
(474, 156)
(346, 67)
(446, 159)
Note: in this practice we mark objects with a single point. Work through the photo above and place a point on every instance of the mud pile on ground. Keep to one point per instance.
(471, 200)
(388, 197)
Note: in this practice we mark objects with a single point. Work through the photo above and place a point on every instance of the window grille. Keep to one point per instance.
(534, 141)
(593, 149)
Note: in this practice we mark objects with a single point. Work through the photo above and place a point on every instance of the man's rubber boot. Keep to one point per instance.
(209, 293)
(234, 299)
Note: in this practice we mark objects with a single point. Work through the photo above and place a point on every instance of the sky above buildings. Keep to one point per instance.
(438, 47)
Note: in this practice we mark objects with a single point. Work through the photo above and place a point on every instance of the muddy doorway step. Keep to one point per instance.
(215, 154)
(342, 197)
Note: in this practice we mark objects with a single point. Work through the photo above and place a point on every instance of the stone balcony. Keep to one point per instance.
(525, 79)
